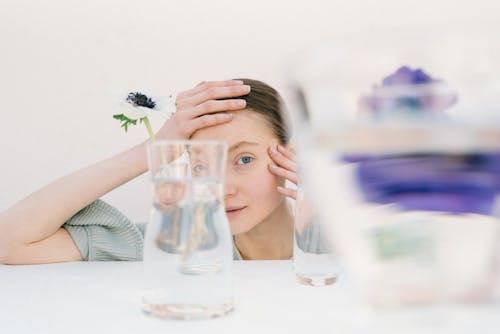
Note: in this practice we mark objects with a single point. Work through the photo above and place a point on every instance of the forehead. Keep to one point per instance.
(246, 125)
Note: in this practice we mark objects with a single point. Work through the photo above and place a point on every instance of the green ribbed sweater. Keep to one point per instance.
(103, 233)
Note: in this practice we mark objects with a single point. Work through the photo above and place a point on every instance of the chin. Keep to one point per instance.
(238, 228)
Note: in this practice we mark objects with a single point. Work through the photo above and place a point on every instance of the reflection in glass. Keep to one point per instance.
(400, 148)
(188, 249)
(313, 261)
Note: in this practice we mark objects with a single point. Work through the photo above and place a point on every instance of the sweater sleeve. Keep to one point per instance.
(311, 240)
(102, 233)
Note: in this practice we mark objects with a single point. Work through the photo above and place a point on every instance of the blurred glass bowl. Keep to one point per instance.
(400, 147)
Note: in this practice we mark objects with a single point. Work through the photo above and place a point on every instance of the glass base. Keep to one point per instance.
(315, 281)
(187, 311)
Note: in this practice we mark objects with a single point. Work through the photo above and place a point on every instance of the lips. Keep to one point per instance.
(234, 210)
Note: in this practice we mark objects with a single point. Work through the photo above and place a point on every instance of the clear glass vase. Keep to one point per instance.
(313, 261)
(400, 146)
(187, 244)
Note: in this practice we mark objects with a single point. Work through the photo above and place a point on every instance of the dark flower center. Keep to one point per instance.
(140, 100)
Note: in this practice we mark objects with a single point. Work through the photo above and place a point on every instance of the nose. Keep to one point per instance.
(230, 187)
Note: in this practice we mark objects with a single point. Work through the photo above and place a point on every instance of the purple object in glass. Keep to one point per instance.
(456, 183)
(434, 182)
(408, 91)
(406, 76)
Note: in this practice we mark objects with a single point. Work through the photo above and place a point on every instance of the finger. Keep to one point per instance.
(282, 160)
(182, 96)
(215, 93)
(208, 84)
(209, 120)
(285, 173)
(290, 154)
(213, 106)
(292, 193)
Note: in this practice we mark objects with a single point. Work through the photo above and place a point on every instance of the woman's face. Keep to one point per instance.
(250, 191)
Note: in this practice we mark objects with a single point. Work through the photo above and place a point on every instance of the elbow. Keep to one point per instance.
(3, 255)
(8, 252)
(5, 250)
(11, 250)
(8, 256)
(6, 245)
(3, 240)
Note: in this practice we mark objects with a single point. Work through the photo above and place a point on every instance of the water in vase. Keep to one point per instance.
(188, 248)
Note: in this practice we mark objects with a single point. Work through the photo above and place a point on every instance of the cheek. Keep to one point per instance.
(261, 184)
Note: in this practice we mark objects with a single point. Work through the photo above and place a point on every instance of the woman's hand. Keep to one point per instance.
(285, 167)
(199, 108)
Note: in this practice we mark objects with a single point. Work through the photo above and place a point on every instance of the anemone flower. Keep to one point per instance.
(140, 107)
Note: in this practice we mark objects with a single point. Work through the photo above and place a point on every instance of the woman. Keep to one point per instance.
(65, 221)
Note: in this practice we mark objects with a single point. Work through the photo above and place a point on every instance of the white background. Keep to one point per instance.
(62, 62)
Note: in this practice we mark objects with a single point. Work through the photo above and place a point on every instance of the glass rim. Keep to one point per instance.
(405, 137)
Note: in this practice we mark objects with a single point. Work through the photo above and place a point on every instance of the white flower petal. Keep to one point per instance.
(165, 105)
(164, 108)
(132, 112)
(151, 113)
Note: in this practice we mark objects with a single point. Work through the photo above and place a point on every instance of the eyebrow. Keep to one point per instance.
(242, 143)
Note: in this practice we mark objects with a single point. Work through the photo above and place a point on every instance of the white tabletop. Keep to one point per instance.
(98, 297)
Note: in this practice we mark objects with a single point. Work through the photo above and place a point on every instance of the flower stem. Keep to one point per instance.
(148, 126)
(152, 136)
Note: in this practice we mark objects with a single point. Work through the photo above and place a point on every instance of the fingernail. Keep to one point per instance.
(241, 103)
(273, 151)
(239, 82)
(280, 189)
(274, 167)
(245, 88)
(226, 116)
(281, 148)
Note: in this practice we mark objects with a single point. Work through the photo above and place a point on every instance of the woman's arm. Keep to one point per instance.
(30, 230)
(39, 216)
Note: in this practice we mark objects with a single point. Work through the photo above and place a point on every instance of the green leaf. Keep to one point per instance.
(125, 121)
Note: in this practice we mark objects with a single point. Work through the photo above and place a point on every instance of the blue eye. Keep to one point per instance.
(199, 168)
(245, 160)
